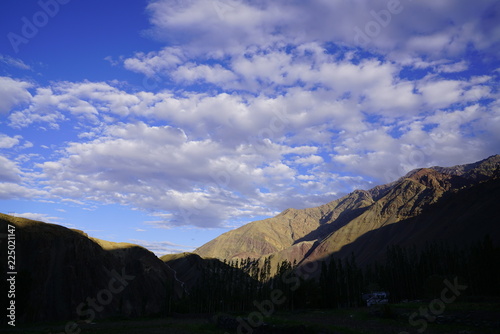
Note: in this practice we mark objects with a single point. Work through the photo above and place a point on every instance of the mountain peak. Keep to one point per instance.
(445, 178)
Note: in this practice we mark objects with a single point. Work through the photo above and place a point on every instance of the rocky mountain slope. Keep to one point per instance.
(427, 204)
(62, 274)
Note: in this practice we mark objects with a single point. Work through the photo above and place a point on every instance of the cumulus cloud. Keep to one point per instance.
(86, 100)
(191, 73)
(9, 171)
(310, 160)
(440, 138)
(13, 93)
(205, 158)
(265, 47)
(9, 142)
(155, 62)
(201, 182)
(14, 190)
(227, 26)
(454, 67)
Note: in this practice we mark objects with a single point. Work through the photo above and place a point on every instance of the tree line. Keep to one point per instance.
(407, 273)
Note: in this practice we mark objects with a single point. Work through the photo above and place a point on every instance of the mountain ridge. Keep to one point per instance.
(312, 233)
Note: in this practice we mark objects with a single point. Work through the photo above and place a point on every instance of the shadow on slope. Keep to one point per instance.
(327, 227)
(457, 218)
(62, 274)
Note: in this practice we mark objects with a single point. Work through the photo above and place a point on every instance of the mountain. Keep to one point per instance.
(63, 274)
(452, 204)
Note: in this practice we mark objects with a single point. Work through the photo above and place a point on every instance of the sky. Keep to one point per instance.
(167, 123)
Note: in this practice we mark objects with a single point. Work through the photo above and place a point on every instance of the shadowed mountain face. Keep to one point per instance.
(452, 204)
(189, 268)
(62, 274)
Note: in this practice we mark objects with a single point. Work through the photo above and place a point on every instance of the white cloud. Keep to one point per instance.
(14, 62)
(159, 168)
(226, 27)
(38, 216)
(155, 62)
(10, 190)
(306, 177)
(204, 24)
(192, 73)
(85, 100)
(430, 43)
(310, 160)
(12, 93)
(203, 158)
(9, 171)
(161, 248)
(9, 142)
(453, 68)
(438, 94)
(441, 138)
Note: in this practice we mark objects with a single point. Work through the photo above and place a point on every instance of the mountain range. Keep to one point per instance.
(65, 274)
(451, 204)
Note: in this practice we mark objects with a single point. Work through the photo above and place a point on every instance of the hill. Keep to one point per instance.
(62, 274)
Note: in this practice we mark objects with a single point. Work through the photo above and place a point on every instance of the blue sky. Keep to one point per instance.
(167, 123)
